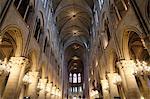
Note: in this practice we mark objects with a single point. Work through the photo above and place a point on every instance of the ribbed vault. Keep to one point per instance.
(73, 22)
(73, 19)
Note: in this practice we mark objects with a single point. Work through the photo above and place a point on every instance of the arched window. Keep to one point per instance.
(37, 28)
(74, 78)
(45, 3)
(107, 29)
(100, 3)
(80, 88)
(23, 7)
(79, 78)
(41, 34)
(16, 3)
(76, 89)
(45, 45)
(70, 78)
(121, 7)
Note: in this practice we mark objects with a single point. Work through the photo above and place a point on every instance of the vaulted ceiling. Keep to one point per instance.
(73, 22)
(73, 19)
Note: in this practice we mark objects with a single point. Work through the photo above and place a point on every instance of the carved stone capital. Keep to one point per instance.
(18, 61)
(4, 68)
(126, 64)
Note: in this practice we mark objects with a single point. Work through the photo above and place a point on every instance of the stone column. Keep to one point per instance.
(126, 69)
(3, 76)
(112, 85)
(2, 80)
(32, 88)
(105, 89)
(42, 86)
(17, 65)
(145, 87)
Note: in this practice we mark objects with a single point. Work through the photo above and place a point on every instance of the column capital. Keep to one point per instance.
(18, 61)
(126, 63)
(4, 68)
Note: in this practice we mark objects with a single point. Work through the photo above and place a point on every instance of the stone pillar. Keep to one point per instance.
(32, 88)
(42, 86)
(3, 75)
(2, 84)
(126, 69)
(105, 89)
(17, 65)
(145, 87)
(112, 86)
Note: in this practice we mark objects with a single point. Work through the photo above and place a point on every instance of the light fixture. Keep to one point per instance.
(4, 67)
(57, 92)
(117, 79)
(53, 90)
(75, 58)
(49, 87)
(141, 68)
(41, 85)
(75, 68)
(27, 79)
(96, 63)
(93, 93)
(105, 85)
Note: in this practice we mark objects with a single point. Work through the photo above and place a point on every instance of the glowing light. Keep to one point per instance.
(93, 93)
(49, 87)
(27, 79)
(41, 85)
(141, 68)
(53, 90)
(117, 79)
(105, 85)
(4, 67)
(142, 97)
(75, 58)
(96, 63)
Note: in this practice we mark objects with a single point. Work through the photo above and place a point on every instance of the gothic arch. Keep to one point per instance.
(125, 40)
(33, 56)
(41, 16)
(16, 34)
